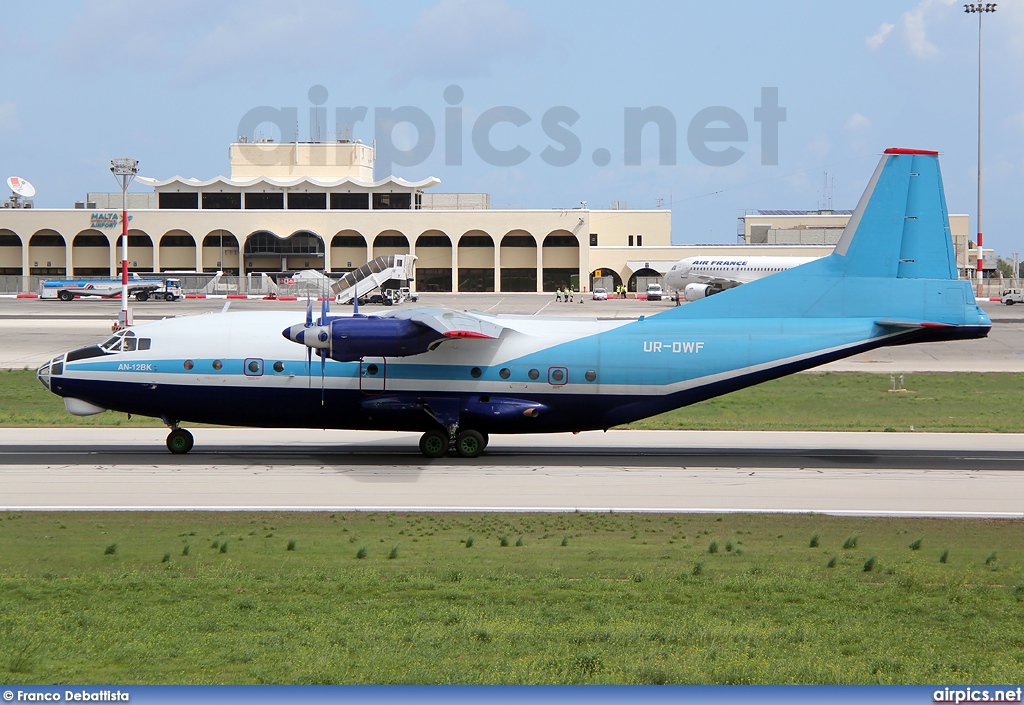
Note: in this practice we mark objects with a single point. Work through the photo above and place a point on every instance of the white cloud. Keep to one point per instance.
(9, 116)
(913, 25)
(876, 39)
(857, 123)
(916, 35)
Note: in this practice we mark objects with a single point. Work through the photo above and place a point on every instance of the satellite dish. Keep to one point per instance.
(21, 187)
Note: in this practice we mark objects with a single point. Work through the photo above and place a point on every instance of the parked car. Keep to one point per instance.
(1013, 296)
(600, 294)
(654, 292)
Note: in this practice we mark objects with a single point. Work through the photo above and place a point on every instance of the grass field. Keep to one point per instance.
(968, 402)
(468, 598)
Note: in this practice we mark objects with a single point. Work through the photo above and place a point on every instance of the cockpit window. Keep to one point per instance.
(129, 344)
(112, 344)
(144, 343)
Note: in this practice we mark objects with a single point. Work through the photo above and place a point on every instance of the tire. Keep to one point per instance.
(66, 296)
(142, 296)
(470, 443)
(1009, 302)
(171, 297)
(434, 444)
(179, 441)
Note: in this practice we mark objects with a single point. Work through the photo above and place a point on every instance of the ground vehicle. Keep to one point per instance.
(170, 291)
(1013, 296)
(654, 292)
(600, 294)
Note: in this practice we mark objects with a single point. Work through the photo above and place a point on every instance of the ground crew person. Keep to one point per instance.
(558, 294)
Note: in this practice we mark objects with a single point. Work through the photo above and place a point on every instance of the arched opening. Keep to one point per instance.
(177, 251)
(639, 280)
(561, 260)
(476, 261)
(266, 252)
(390, 242)
(518, 261)
(434, 261)
(90, 254)
(140, 252)
(10, 253)
(348, 251)
(47, 254)
(605, 277)
(220, 252)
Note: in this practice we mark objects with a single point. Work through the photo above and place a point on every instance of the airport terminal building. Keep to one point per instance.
(292, 206)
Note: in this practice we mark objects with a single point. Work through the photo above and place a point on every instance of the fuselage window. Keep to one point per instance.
(504, 373)
(557, 375)
(217, 364)
(476, 372)
(590, 375)
(254, 367)
(189, 364)
(372, 369)
(278, 366)
(534, 374)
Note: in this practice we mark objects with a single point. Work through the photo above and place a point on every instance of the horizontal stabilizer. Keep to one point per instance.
(910, 325)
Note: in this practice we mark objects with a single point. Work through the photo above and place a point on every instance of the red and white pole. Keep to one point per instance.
(125, 315)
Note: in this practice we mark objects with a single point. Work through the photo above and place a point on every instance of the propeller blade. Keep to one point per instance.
(309, 311)
(323, 369)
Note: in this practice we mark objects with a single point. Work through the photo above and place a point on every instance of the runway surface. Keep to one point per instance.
(938, 475)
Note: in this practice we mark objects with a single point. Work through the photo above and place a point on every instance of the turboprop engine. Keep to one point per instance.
(350, 339)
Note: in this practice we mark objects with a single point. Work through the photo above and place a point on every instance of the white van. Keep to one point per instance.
(1013, 296)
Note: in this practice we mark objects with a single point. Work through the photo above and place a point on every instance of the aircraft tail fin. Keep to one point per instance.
(895, 260)
(901, 226)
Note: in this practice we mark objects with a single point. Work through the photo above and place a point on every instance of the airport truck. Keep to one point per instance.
(138, 288)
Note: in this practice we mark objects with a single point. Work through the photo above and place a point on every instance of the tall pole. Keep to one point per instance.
(980, 9)
(124, 170)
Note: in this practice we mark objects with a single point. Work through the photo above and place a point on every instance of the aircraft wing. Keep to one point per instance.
(452, 324)
(720, 282)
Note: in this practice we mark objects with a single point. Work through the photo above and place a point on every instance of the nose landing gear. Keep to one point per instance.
(179, 440)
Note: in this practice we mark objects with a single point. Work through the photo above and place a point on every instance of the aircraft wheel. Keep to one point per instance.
(179, 441)
(434, 444)
(65, 296)
(142, 296)
(470, 443)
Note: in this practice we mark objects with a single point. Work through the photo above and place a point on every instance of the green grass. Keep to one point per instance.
(807, 402)
(629, 599)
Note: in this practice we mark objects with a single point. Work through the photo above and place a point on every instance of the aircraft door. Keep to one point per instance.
(372, 375)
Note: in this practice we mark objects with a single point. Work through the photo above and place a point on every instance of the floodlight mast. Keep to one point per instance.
(980, 9)
(124, 170)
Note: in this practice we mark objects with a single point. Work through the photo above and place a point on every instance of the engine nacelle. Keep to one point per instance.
(695, 292)
(351, 339)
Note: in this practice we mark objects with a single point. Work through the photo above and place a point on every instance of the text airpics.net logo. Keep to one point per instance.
(715, 136)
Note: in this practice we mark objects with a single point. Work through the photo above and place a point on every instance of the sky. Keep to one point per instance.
(540, 95)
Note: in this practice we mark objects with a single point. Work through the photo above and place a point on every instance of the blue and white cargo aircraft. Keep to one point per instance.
(460, 376)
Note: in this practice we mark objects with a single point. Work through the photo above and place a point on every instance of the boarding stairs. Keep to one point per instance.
(372, 276)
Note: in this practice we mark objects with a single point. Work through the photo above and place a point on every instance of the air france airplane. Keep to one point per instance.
(459, 376)
(698, 277)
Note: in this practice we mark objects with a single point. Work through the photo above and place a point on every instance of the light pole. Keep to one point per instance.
(980, 9)
(124, 170)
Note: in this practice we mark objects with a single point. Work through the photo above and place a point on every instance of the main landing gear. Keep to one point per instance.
(468, 443)
(179, 440)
